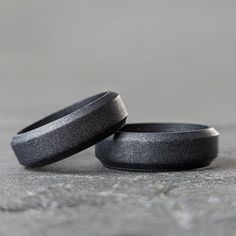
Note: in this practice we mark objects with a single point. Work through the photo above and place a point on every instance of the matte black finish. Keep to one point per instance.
(70, 130)
(163, 146)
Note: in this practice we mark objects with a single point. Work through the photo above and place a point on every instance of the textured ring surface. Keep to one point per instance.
(159, 146)
(70, 130)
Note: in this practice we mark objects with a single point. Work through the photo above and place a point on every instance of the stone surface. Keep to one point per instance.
(80, 196)
(176, 55)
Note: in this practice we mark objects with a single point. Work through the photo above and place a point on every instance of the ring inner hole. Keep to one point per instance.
(63, 112)
(165, 127)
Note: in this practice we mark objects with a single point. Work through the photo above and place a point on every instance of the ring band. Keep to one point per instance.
(159, 146)
(70, 130)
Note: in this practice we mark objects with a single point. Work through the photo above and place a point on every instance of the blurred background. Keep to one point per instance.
(169, 60)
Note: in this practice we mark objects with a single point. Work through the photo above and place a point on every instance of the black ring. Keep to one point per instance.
(163, 146)
(70, 130)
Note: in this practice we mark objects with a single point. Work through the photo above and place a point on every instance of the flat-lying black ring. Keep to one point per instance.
(159, 146)
(70, 130)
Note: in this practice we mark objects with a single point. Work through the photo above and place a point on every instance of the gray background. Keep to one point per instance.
(169, 60)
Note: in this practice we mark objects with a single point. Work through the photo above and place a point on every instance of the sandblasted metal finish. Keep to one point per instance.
(163, 146)
(70, 130)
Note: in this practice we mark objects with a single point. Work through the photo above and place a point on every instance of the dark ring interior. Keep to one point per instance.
(162, 127)
(63, 112)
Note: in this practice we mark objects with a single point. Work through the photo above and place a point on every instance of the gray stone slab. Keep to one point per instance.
(80, 196)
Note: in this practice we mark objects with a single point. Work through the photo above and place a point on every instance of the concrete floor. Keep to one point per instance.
(170, 61)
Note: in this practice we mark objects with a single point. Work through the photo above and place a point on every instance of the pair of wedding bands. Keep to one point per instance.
(100, 120)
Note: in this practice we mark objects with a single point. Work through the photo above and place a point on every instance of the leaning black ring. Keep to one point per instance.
(159, 146)
(70, 130)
